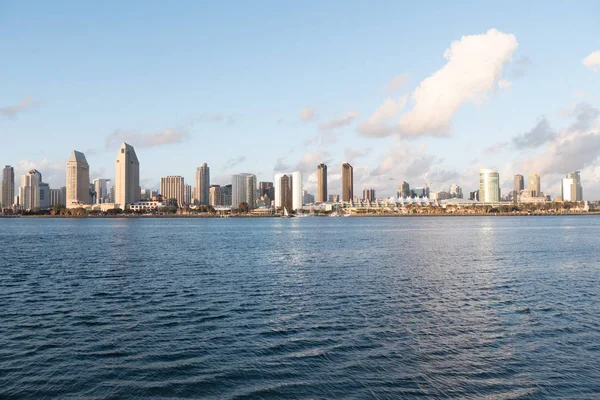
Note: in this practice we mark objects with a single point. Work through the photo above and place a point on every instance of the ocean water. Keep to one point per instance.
(385, 308)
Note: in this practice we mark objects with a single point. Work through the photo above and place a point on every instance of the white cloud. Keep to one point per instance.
(145, 140)
(340, 122)
(308, 114)
(377, 125)
(53, 172)
(593, 61)
(397, 83)
(24, 105)
(475, 64)
(504, 84)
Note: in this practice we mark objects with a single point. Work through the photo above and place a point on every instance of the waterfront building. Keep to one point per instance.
(369, 194)
(533, 184)
(101, 190)
(456, 192)
(334, 198)
(518, 184)
(78, 180)
(420, 192)
(58, 197)
(202, 190)
(474, 196)
(347, 182)
(266, 189)
(227, 195)
(127, 177)
(284, 194)
(570, 187)
(7, 187)
(322, 183)
(243, 190)
(307, 198)
(403, 190)
(441, 195)
(295, 192)
(173, 187)
(216, 195)
(489, 186)
(29, 191)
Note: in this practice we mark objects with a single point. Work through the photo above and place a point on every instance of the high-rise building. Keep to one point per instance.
(217, 195)
(58, 197)
(347, 182)
(33, 193)
(519, 184)
(227, 194)
(456, 192)
(570, 187)
(369, 194)
(333, 198)
(243, 190)
(533, 184)
(202, 190)
(489, 186)
(285, 199)
(295, 182)
(101, 189)
(173, 188)
(78, 180)
(403, 190)
(187, 195)
(307, 198)
(322, 183)
(7, 187)
(266, 189)
(127, 177)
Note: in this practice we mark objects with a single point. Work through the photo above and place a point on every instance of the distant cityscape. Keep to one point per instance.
(284, 193)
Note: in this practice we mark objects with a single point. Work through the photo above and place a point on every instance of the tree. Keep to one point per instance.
(243, 207)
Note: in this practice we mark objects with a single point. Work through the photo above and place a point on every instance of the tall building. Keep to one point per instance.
(285, 199)
(347, 182)
(29, 191)
(202, 190)
(333, 198)
(266, 189)
(243, 190)
(173, 187)
(369, 194)
(307, 198)
(7, 187)
(456, 192)
(78, 180)
(217, 196)
(127, 177)
(296, 190)
(322, 183)
(227, 193)
(403, 190)
(570, 187)
(187, 194)
(519, 184)
(533, 184)
(489, 186)
(58, 197)
(101, 189)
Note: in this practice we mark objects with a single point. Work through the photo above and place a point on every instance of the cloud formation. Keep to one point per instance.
(146, 140)
(475, 64)
(377, 125)
(396, 84)
(308, 114)
(541, 134)
(504, 84)
(353, 154)
(593, 61)
(340, 122)
(12, 111)
(232, 162)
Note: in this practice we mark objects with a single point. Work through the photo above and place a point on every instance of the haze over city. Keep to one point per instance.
(283, 87)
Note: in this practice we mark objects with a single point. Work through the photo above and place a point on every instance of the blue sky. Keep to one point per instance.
(226, 84)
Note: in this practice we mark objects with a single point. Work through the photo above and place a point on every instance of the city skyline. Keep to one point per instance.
(265, 122)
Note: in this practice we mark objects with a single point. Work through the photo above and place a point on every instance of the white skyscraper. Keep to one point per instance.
(127, 177)
(202, 190)
(243, 190)
(29, 191)
(489, 186)
(570, 187)
(101, 189)
(78, 180)
(173, 187)
(297, 198)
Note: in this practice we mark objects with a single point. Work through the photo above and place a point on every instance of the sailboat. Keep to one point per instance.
(285, 213)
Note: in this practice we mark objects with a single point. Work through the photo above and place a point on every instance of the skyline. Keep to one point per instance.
(246, 101)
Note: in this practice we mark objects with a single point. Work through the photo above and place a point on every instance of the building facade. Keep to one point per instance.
(295, 182)
(570, 187)
(369, 194)
(243, 190)
(101, 189)
(456, 192)
(347, 182)
(285, 200)
(173, 187)
(127, 177)
(533, 184)
(518, 184)
(322, 183)
(489, 186)
(78, 180)
(217, 196)
(58, 197)
(7, 187)
(403, 190)
(202, 190)
(29, 191)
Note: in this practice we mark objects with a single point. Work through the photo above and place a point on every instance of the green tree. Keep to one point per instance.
(244, 207)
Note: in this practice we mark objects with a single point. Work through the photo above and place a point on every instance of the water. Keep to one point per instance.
(449, 307)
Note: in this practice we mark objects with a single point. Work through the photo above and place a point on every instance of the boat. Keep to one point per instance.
(286, 214)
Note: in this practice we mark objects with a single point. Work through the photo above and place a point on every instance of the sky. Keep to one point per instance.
(425, 92)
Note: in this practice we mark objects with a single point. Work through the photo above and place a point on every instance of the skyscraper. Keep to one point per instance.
(489, 186)
(295, 183)
(403, 189)
(217, 194)
(58, 196)
(78, 180)
(7, 185)
(519, 184)
(187, 194)
(369, 194)
(173, 187)
(227, 193)
(286, 200)
(127, 177)
(347, 182)
(266, 189)
(243, 190)
(533, 184)
(456, 192)
(321, 183)
(29, 191)
(202, 184)
(101, 189)
(570, 187)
